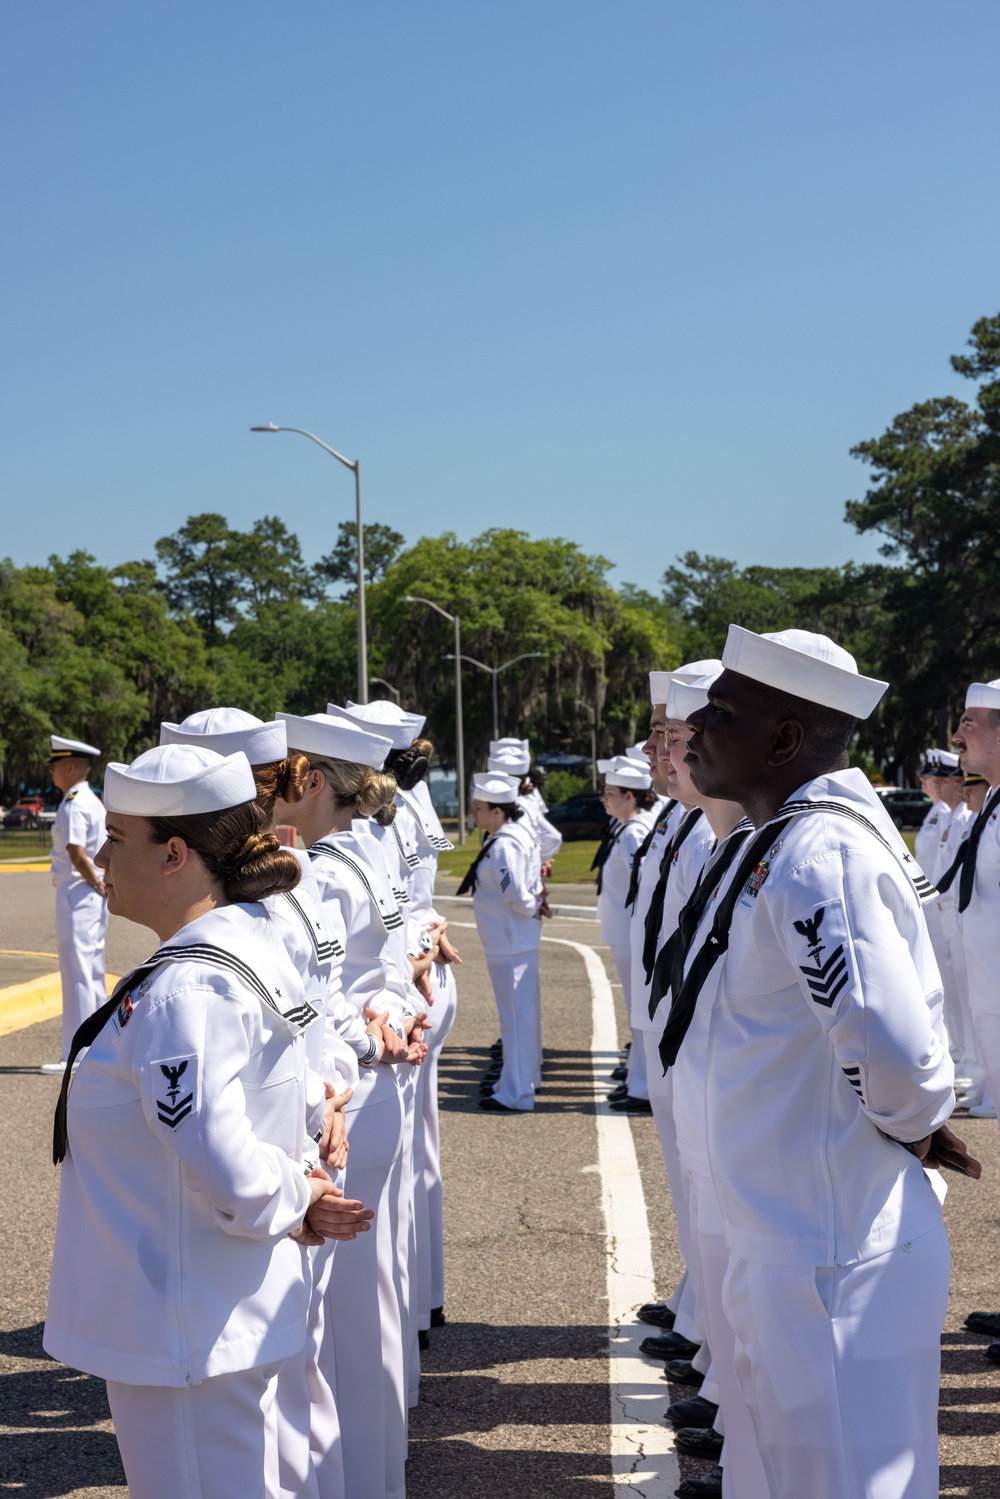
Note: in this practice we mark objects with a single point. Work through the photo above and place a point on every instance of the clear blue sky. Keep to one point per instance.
(629, 271)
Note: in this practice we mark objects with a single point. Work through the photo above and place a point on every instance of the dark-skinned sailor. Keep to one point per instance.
(828, 1083)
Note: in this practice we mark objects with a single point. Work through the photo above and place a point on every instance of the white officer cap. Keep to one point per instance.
(492, 786)
(227, 730)
(806, 665)
(63, 749)
(509, 760)
(622, 771)
(984, 695)
(333, 738)
(946, 759)
(383, 718)
(177, 780)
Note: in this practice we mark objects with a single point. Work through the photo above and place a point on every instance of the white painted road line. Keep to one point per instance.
(643, 1460)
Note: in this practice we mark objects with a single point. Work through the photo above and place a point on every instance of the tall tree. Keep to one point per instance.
(935, 501)
(382, 546)
(203, 574)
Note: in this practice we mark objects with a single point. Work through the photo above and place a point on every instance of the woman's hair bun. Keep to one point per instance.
(286, 779)
(260, 867)
(409, 766)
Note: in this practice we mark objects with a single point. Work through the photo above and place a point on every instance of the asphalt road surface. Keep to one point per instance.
(518, 1389)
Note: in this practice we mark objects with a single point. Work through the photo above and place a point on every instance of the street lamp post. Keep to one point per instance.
(494, 672)
(593, 740)
(459, 728)
(362, 623)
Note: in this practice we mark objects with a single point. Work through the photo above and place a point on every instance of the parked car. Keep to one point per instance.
(46, 817)
(36, 803)
(21, 816)
(583, 816)
(907, 807)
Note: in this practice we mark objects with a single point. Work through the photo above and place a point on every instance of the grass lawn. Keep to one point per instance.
(571, 867)
(24, 845)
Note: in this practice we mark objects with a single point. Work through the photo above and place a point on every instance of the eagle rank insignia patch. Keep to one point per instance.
(175, 1089)
(819, 943)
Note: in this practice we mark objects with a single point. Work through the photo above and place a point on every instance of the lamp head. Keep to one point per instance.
(268, 427)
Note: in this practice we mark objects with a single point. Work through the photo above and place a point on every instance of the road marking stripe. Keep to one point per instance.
(643, 1459)
(39, 999)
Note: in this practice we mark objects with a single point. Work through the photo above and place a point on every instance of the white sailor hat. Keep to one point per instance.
(334, 738)
(658, 684)
(688, 690)
(63, 749)
(805, 665)
(178, 780)
(984, 695)
(227, 730)
(509, 759)
(623, 771)
(492, 786)
(637, 752)
(383, 718)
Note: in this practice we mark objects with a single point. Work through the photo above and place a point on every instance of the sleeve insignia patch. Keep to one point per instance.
(827, 972)
(504, 879)
(174, 1089)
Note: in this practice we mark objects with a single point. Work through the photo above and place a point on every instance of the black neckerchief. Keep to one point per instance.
(654, 916)
(608, 839)
(668, 970)
(86, 1035)
(472, 873)
(717, 941)
(965, 860)
(643, 850)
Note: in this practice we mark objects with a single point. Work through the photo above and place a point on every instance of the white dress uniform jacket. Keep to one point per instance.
(183, 1176)
(980, 923)
(508, 890)
(550, 840)
(927, 843)
(826, 1038)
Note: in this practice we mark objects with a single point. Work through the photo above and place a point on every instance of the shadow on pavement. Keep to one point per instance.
(567, 1080)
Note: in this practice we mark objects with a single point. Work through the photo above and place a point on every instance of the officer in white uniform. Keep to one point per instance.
(828, 1083)
(631, 804)
(506, 886)
(174, 1277)
(81, 909)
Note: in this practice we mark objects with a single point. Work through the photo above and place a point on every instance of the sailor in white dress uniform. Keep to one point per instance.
(828, 1083)
(81, 908)
(631, 804)
(308, 1427)
(188, 1111)
(507, 895)
(365, 1330)
(513, 757)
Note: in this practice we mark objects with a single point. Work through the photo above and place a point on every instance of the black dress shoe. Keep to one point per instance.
(497, 1047)
(668, 1345)
(657, 1314)
(694, 1411)
(709, 1486)
(619, 1073)
(423, 1339)
(620, 1092)
(987, 1323)
(493, 1107)
(993, 1353)
(681, 1371)
(437, 1316)
(699, 1441)
(486, 1090)
(630, 1105)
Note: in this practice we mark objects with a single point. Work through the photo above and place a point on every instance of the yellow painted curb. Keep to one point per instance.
(25, 868)
(40, 999)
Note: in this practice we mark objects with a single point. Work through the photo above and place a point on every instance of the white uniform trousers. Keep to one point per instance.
(81, 922)
(986, 1028)
(515, 989)
(635, 1071)
(840, 1369)
(743, 1471)
(428, 1191)
(214, 1440)
(684, 1300)
(362, 1334)
(950, 954)
(405, 1227)
(305, 1405)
